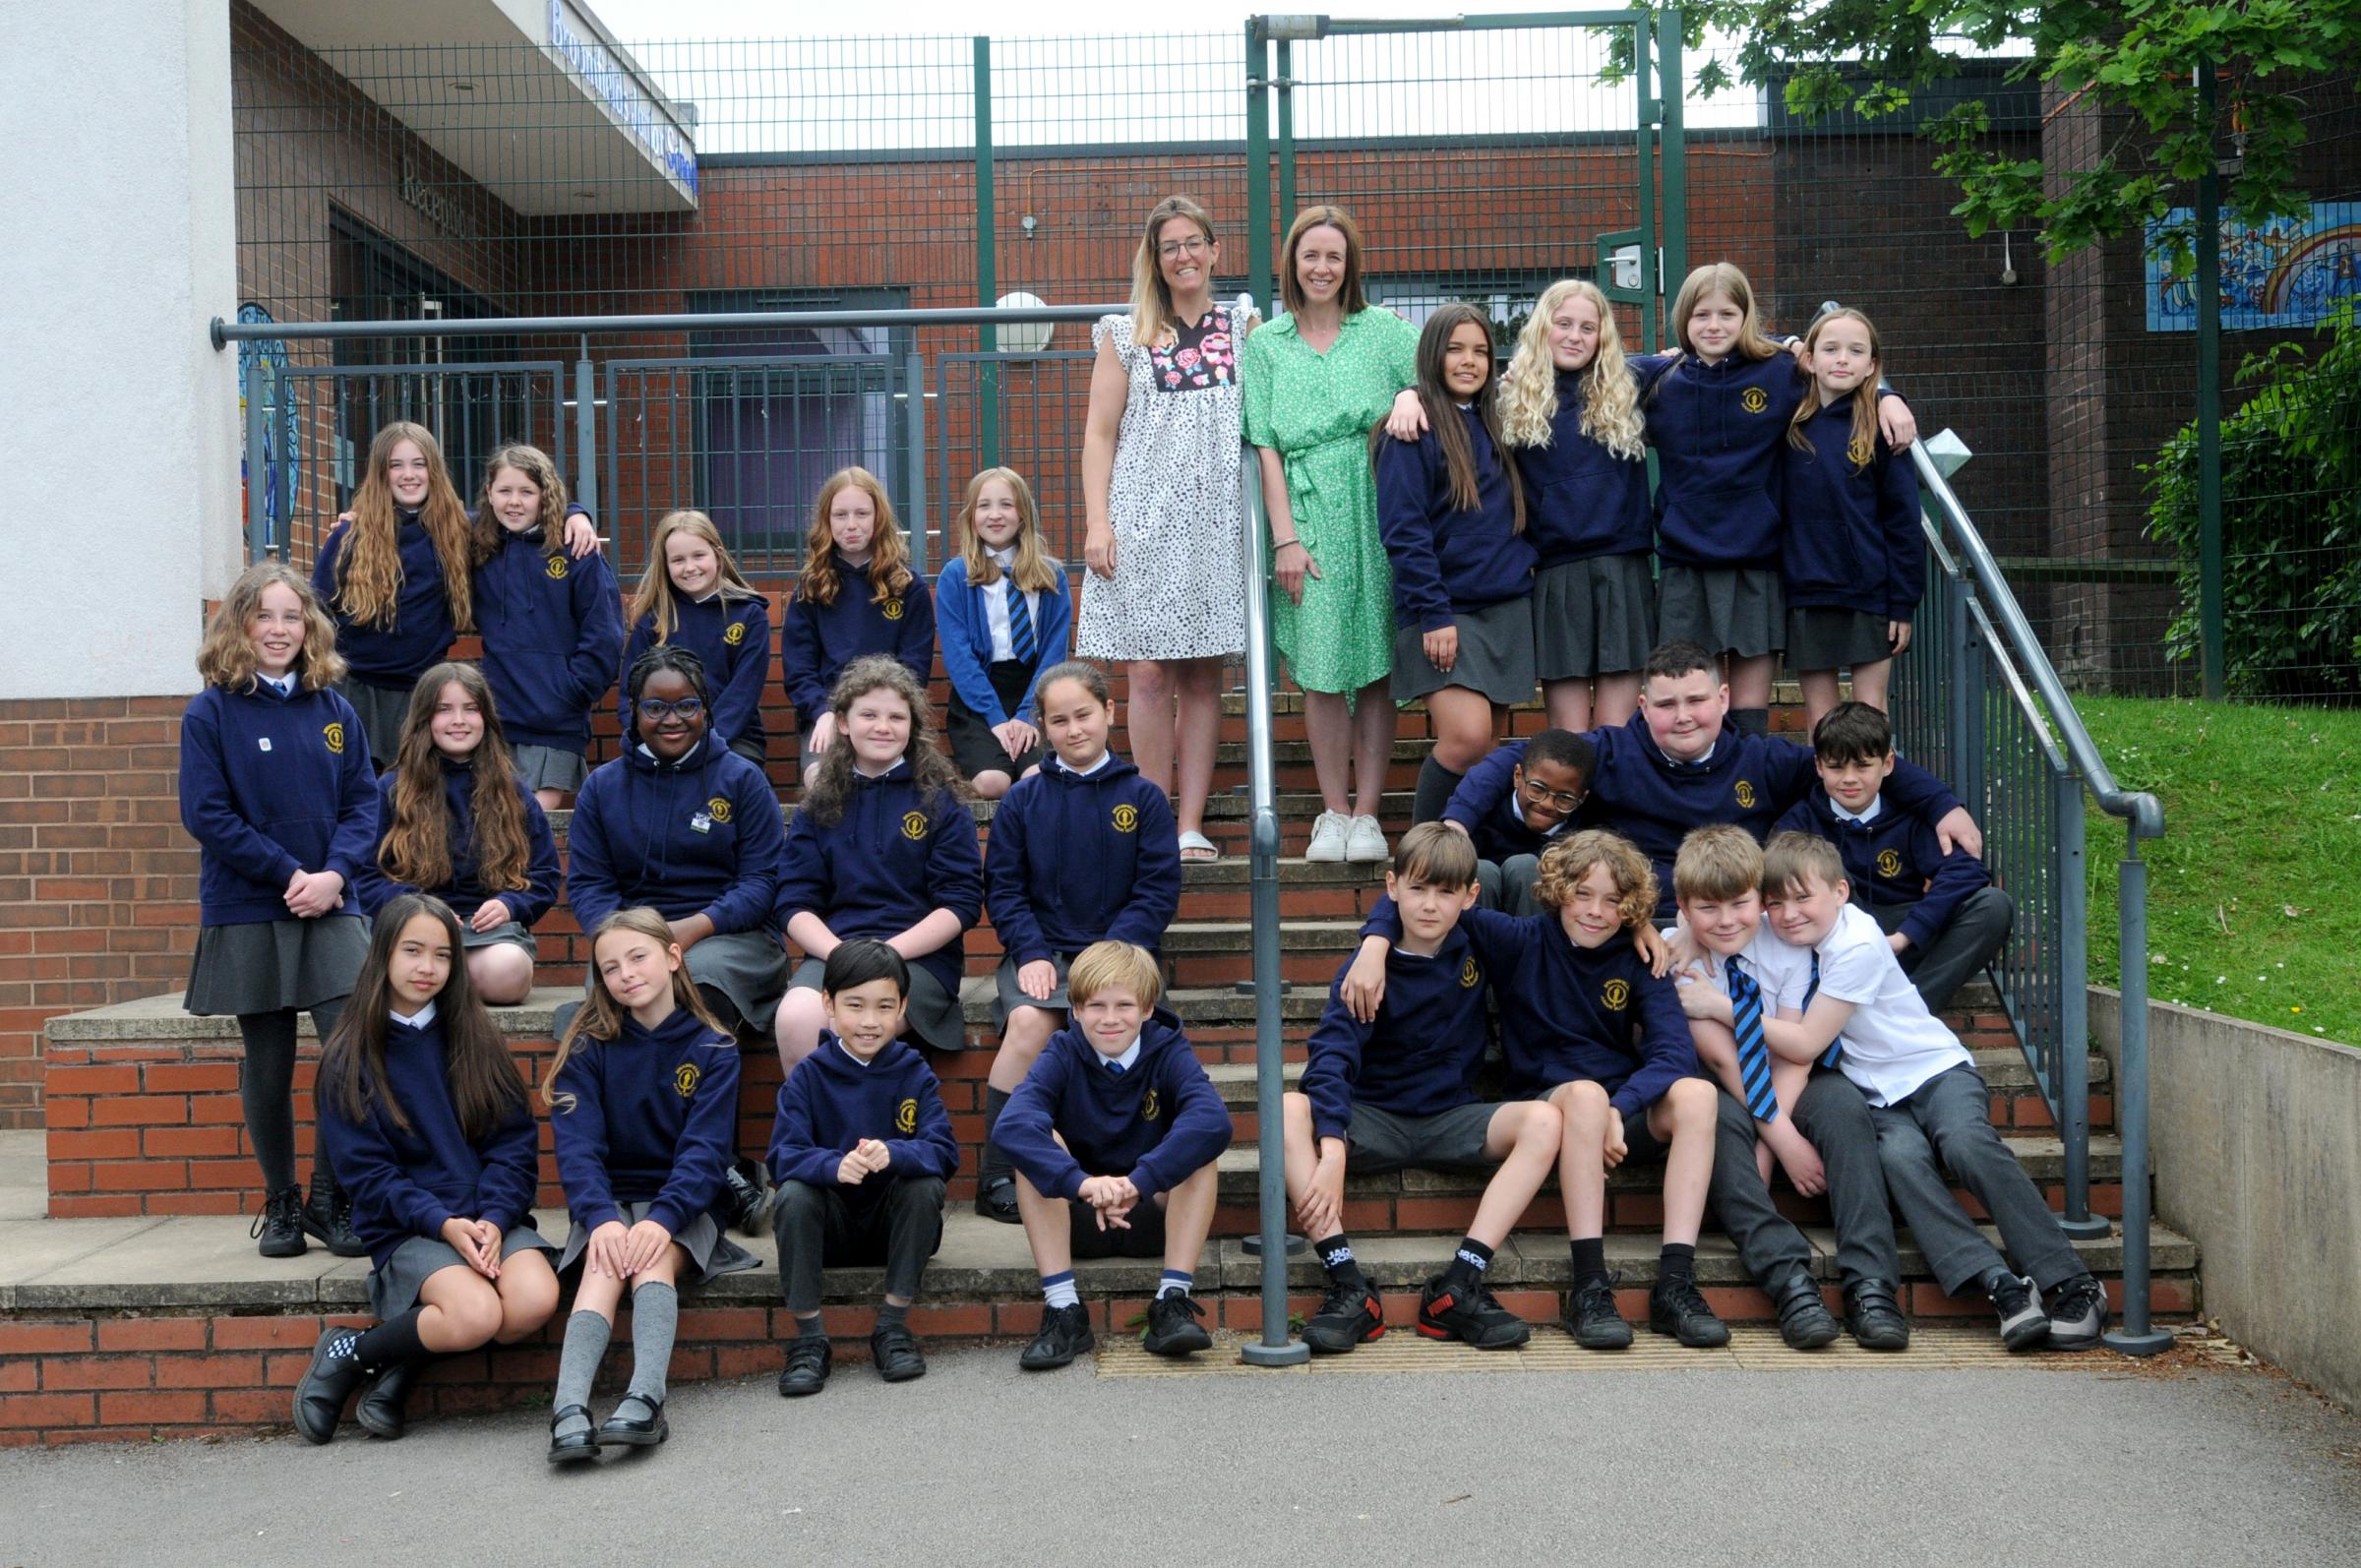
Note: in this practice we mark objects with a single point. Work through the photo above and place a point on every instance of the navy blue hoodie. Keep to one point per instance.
(272, 785)
(1751, 780)
(700, 836)
(1581, 499)
(1484, 803)
(464, 893)
(1894, 862)
(553, 632)
(1158, 1123)
(1079, 858)
(653, 1119)
(733, 638)
(422, 627)
(1716, 430)
(817, 641)
(1447, 562)
(830, 1101)
(888, 863)
(1853, 540)
(408, 1182)
(1418, 1059)
(1569, 1012)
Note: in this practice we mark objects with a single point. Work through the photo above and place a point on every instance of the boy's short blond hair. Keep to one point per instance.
(1113, 966)
(1567, 861)
(1796, 859)
(1718, 863)
(1436, 855)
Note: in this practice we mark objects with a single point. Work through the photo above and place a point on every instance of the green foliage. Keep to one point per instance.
(2291, 525)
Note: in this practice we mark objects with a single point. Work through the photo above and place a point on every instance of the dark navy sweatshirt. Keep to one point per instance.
(272, 785)
(1082, 858)
(700, 836)
(1157, 1123)
(1569, 1012)
(1851, 540)
(653, 1120)
(553, 633)
(465, 894)
(733, 638)
(830, 1101)
(889, 862)
(1418, 1059)
(1716, 430)
(1447, 562)
(817, 641)
(1581, 499)
(1751, 780)
(407, 1182)
(1894, 862)
(420, 634)
(1486, 804)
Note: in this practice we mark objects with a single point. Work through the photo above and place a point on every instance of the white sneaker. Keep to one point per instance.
(1364, 841)
(1328, 832)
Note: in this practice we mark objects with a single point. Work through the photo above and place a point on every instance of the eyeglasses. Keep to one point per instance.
(1563, 800)
(1175, 249)
(652, 711)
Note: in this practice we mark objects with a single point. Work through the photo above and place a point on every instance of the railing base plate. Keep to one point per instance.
(2091, 1228)
(1294, 1352)
(2156, 1342)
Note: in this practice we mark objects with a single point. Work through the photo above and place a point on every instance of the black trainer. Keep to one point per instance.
(383, 1409)
(1804, 1318)
(2077, 1314)
(1065, 1334)
(1349, 1315)
(328, 1214)
(995, 1199)
(1173, 1327)
(1453, 1309)
(2023, 1326)
(894, 1350)
(1676, 1308)
(748, 1195)
(326, 1385)
(810, 1359)
(1873, 1316)
(1591, 1316)
(280, 1223)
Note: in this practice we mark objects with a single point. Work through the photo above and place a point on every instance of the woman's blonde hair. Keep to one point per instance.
(414, 841)
(1861, 444)
(369, 567)
(1034, 568)
(1152, 317)
(534, 464)
(1610, 403)
(889, 572)
(601, 1016)
(1567, 861)
(225, 658)
(1349, 296)
(1721, 278)
(654, 597)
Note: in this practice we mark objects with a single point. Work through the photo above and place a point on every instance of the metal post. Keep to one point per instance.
(2070, 1081)
(2214, 656)
(585, 431)
(914, 491)
(1676, 158)
(987, 338)
(1284, 86)
(1258, 170)
(258, 528)
(1274, 1348)
(1652, 255)
(2136, 1337)
(1958, 631)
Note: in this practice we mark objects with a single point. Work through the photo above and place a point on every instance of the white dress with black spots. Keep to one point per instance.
(1178, 590)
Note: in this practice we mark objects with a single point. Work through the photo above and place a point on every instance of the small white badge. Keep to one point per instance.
(701, 823)
(266, 743)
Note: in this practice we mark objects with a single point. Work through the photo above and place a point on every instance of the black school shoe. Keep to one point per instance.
(1873, 1316)
(1173, 1327)
(383, 1411)
(2023, 1326)
(620, 1431)
(995, 1199)
(328, 1214)
(573, 1447)
(1451, 1310)
(894, 1350)
(1676, 1308)
(748, 1193)
(326, 1385)
(1349, 1315)
(279, 1226)
(1065, 1334)
(1804, 1318)
(809, 1361)
(2077, 1314)
(1589, 1315)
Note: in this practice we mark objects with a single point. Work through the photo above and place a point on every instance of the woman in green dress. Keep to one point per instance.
(1316, 380)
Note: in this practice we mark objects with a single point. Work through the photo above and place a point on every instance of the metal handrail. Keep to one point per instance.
(224, 333)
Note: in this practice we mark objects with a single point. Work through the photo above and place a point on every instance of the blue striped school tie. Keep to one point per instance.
(1836, 1047)
(1754, 1052)
(1021, 624)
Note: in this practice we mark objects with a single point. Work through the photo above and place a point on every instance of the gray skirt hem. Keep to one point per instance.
(510, 931)
(1831, 637)
(710, 1254)
(1007, 997)
(1496, 655)
(1594, 616)
(275, 965)
(393, 1288)
(1735, 610)
(550, 767)
(748, 967)
(935, 1018)
(382, 709)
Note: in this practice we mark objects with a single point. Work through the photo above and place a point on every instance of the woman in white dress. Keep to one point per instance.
(1163, 513)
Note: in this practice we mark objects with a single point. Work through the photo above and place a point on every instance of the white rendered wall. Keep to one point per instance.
(119, 444)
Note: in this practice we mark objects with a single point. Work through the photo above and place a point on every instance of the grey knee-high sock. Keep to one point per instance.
(1436, 784)
(655, 1320)
(997, 1163)
(1750, 721)
(586, 1335)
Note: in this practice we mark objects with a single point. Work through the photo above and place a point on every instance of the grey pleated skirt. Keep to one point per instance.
(382, 709)
(271, 965)
(1496, 655)
(547, 767)
(1594, 616)
(1007, 996)
(710, 1254)
(935, 1017)
(393, 1288)
(1740, 610)
(510, 931)
(1832, 638)
(748, 967)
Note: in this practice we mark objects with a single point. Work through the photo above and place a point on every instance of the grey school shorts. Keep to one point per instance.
(1449, 1140)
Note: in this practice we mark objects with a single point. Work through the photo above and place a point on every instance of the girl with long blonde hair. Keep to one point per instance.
(693, 596)
(1006, 617)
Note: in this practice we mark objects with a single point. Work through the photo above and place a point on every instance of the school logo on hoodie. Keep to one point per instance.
(1149, 1110)
(718, 809)
(914, 825)
(333, 735)
(684, 1078)
(556, 568)
(1469, 976)
(1744, 794)
(1889, 862)
(891, 609)
(1754, 401)
(1616, 995)
(734, 634)
(1127, 818)
(905, 1118)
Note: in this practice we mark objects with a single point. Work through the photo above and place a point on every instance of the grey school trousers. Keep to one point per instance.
(1507, 887)
(1832, 1114)
(819, 1228)
(1967, 942)
(1946, 1125)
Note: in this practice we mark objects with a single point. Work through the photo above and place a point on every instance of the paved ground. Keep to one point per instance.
(2086, 1463)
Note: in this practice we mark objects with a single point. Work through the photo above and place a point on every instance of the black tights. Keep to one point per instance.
(266, 1088)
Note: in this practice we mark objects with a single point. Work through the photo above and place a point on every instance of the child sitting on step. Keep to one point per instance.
(1399, 1090)
(1515, 803)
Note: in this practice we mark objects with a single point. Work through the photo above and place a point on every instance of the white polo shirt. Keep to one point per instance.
(1892, 1044)
(1782, 972)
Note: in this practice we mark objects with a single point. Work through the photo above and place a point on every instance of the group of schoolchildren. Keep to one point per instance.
(396, 909)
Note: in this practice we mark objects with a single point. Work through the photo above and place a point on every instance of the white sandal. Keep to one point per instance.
(1195, 841)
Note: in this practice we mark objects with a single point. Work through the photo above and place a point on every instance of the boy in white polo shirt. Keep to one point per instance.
(1929, 1103)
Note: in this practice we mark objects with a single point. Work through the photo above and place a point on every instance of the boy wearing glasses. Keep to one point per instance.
(1515, 803)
